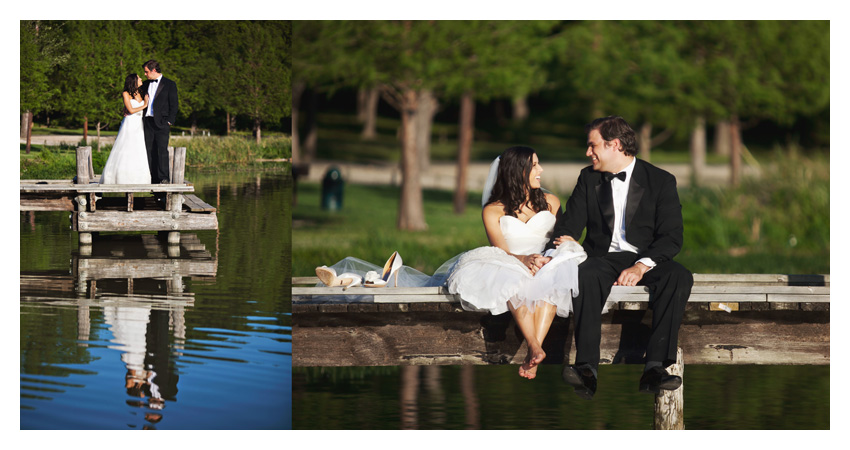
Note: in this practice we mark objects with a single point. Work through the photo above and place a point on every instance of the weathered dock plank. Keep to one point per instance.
(123, 221)
(730, 319)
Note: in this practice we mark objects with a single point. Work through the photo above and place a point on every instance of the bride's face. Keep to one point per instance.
(138, 81)
(536, 170)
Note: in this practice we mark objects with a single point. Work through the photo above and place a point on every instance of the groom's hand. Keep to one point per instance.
(560, 240)
(632, 275)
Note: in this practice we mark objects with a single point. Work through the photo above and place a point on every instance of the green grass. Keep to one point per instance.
(777, 225)
(202, 154)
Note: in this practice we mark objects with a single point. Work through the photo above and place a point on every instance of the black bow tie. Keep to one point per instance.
(608, 176)
(155, 81)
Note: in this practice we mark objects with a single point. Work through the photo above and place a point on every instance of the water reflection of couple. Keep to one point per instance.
(142, 141)
(633, 218)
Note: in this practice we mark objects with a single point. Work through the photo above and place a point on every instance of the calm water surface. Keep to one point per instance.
(496, 398)
(132, 334)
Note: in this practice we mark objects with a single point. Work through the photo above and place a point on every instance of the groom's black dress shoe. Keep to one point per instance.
(656, 379)
(582, 379)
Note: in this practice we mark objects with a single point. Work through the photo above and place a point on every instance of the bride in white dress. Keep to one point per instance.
(128, 160)
(519, 218)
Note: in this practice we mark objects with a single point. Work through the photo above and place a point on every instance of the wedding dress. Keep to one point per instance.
(486, 278)
(128, 161)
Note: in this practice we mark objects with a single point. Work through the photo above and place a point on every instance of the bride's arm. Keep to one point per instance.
(491, 215)
(129, 106)
(555, 208)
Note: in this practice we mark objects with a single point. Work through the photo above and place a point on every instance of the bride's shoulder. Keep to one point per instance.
(493, 210)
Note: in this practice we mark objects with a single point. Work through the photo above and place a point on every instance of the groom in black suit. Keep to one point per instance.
(159, 116)
(634, 227)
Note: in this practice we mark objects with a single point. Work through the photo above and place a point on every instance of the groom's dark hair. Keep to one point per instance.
(152, 65)
(615, 127)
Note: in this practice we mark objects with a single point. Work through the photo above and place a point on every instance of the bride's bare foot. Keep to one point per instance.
(528, 369)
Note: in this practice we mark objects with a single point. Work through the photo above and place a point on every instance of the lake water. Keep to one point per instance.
(200, 339)
(496, 398)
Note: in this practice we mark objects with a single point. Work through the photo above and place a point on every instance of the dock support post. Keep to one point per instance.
(85, 171)
(670, 405)
(178, 166)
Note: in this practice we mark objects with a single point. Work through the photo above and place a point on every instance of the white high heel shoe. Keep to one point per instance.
(329, 278)
(390, 268)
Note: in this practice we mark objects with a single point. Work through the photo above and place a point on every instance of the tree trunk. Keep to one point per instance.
(722, 142)
(735, 157)
(194, 127)
(257, 131)
(25, 117)
(227, 120)
(29, 130)
(297, 91)
(465, 136)
(698, 152)
(97, 127)
(369, 113)
(520, 108)
(411, 211)
(645, 141)
(425, 111)
(312, 129)
(362, 93)
(85, 130)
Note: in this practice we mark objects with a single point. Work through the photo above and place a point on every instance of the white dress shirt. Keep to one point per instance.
(619, 243)
(152, 86)
(620, 189)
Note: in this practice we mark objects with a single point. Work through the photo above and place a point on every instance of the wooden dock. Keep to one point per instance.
(169, 208)
(730, 319)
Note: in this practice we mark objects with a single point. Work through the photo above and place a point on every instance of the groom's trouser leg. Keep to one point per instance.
(670, 286)
(152, 154)
(160, 143)
(596, 277)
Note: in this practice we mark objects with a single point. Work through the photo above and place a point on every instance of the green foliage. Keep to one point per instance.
(240, 67)
(41, 50)
(786, 209)
(214, 153)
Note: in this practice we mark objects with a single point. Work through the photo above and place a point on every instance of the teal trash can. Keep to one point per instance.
(332, 187)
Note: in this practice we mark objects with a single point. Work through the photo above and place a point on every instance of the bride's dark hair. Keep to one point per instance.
(131, 84)
(512, 187)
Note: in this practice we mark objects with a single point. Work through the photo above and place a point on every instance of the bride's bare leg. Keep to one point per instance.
(542, 318)
(525, 320)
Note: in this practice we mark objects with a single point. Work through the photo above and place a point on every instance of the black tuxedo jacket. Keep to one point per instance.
(164, 102)
(653, 214)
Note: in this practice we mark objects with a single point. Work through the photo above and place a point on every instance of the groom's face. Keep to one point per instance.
(151, 74)
(604, 155)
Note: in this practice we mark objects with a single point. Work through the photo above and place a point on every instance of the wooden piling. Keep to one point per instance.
(177, 157)
(84, 173)
(670, 405)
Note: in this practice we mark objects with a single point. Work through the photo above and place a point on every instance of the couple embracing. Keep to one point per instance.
(536, 269)
(150, 109)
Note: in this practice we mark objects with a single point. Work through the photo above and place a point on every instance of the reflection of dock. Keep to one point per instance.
(172, 208)
(127, 270)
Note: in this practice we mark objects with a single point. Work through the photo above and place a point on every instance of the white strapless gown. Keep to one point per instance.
(128, 160)
(486, 278)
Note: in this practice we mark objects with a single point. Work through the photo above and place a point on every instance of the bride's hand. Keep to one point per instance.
(560, 240)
